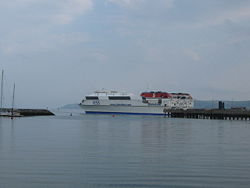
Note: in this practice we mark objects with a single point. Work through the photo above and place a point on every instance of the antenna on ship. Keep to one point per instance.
(148, 87)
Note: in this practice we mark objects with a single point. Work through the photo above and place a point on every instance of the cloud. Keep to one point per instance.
(126, 3)
(69, 9)
(241, 13)
(32, 24)
(236, 14)
(40, 41)
(140, 3)
(244, 37)
(234, 80)
(57, 11)
(100, 57)
(193, 55)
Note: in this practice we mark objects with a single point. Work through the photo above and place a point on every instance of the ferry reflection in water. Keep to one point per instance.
(123, 151)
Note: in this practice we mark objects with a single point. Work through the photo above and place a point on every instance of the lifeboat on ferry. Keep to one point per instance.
(157, 94)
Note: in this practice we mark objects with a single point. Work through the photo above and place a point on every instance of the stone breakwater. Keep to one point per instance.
(30, 112)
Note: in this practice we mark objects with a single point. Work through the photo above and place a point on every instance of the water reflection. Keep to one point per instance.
(123, 151)
(1, 135)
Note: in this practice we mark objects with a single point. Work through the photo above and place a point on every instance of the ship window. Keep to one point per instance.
(91, 98)
(119, 98)
(144, 100)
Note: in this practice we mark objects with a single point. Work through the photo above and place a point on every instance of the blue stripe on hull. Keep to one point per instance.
(125, 113)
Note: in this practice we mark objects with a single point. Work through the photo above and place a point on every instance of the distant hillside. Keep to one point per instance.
(71, 106)
(197, 104)
(214, 104)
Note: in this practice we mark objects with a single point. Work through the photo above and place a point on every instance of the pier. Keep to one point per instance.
(222, 114)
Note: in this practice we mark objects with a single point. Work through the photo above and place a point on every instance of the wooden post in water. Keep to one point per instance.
(1, 100)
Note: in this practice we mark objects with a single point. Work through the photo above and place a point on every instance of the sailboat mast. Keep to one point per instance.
(1, 100)
(13, 99)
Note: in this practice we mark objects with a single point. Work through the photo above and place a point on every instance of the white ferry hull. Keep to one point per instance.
(106, 109)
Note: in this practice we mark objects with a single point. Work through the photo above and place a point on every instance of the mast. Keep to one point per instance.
(13, 98)
(1, 99)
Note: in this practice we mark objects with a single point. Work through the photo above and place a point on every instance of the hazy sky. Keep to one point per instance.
(56, 51)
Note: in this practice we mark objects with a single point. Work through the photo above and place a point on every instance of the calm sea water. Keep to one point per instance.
(123, 151)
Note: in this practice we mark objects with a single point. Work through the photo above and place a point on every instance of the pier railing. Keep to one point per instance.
(224, 114)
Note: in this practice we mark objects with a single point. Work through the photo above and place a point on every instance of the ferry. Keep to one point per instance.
(147, 103)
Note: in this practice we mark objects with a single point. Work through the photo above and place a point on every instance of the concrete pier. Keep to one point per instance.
(223, 114)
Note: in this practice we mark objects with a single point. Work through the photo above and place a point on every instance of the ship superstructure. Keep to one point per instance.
(153, 102)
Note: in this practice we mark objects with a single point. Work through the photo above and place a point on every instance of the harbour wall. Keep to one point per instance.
(30, 112)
